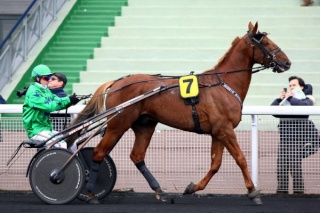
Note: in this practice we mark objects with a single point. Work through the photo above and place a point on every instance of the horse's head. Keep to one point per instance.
(266, 52)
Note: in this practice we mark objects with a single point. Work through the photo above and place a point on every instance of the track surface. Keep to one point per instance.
(144, 202)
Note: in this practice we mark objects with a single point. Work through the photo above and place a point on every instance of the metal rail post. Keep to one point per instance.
(254, 150)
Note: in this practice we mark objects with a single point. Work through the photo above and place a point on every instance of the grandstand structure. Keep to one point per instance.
(10, 12)
(102, 40)
(73, 41)
(176, 37)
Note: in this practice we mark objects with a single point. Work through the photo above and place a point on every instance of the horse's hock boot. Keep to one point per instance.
(254, 195)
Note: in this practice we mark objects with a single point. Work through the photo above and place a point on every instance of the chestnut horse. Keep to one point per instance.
(222, 91)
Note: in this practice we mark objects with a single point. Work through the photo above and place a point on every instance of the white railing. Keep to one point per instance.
(28, 30)
(171, 150)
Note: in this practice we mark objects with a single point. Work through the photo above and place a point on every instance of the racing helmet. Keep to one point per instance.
(41, 70)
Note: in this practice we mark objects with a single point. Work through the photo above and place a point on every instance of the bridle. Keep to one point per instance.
(257, 39)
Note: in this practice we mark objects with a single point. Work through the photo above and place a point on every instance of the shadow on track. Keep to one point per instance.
(144, 202)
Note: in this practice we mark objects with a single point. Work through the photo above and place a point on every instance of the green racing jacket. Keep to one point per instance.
(38, 104)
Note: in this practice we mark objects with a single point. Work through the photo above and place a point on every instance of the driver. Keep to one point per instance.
(38, 104)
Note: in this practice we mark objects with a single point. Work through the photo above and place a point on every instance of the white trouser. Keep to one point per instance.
(44, 135)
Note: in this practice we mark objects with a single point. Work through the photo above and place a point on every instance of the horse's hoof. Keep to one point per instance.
(257, 200)
(161, 195)
(255, 197)
(189, 189)
(93, 201)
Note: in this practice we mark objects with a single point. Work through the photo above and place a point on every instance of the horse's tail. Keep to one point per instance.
(95, 106)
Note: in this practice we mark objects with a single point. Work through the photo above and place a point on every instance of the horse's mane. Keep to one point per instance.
(233, 44)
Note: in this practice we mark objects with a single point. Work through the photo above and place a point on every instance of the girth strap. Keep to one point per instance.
(196, 120)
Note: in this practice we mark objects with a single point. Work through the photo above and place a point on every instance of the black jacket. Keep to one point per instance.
(58, 126)
(59, 92)
(296, 102)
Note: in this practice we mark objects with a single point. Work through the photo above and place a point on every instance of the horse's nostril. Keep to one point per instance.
(288, 64)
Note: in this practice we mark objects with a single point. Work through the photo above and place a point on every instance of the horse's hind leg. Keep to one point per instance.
(111, 137)
(143, 133)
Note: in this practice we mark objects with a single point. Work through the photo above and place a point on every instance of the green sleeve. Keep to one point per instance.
(43, 99)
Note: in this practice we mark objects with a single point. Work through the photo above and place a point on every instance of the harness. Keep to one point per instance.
(193, 100)
(270, 55)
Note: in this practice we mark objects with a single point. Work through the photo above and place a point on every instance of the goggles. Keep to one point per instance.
(46, 77)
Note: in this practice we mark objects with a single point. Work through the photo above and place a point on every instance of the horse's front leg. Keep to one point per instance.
(216, 159)
(231, 143)
(143, 136)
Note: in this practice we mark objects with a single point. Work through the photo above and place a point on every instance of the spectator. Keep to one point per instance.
(38, 104)
(307, 2)
(296, 133)
(56, 84)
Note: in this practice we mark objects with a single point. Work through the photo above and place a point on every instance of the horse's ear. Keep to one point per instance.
(250, 26)
(253, 29)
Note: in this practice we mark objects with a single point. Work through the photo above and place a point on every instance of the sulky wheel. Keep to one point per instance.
(106, 177)
(53, 185)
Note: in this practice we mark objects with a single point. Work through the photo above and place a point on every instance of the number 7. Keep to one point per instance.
(189, 81)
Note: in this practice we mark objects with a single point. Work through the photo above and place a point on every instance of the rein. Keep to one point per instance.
(165, 77)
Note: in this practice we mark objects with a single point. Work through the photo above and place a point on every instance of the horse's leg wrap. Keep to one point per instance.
(153, 183)
(93, 175)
